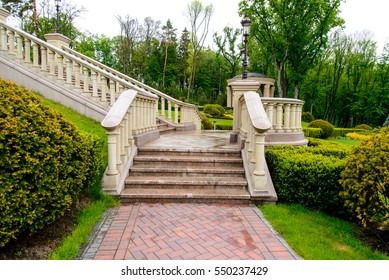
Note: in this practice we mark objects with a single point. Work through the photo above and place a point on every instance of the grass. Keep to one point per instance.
(222, 121)
(345, 141)
(316, 236)
(89, 216)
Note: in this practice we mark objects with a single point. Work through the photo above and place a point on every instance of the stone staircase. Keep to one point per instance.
(194, 175)
(164, 127)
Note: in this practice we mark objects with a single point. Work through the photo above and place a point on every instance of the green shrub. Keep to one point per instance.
(214, 110)
(307, 117)
(308, 175)
(313, 132)
(326, 127)
(365, 180)
(223, 126)
(364, 127)
(45, 162)
(342, 132)
(205, 123)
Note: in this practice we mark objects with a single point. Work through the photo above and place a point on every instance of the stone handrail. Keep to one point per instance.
(75, 73)
(120, 124)
(189, 112)
(253, 125)
(284, 114)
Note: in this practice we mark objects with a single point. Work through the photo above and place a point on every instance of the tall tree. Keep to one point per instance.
(183, 58)
(199, 17)
(294, 31)
(228, 49)
(129, 34)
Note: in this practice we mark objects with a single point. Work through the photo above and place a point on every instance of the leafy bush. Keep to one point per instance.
(357, 136)
(313, 132)
(308, 175)
(222, 126)
(342, 132)
(365, 180)
(214, 110)
(45, 162)
(307, 117)
(364, 126)
(205, 123)
(326, 127)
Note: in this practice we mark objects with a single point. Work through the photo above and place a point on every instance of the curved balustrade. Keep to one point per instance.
(121, 126)
(188, 112)
(284, 114)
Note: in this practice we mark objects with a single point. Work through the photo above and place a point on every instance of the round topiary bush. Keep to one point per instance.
(307, 117)
(364, 126)
(326, 127)
(214, 109)
(365, 181)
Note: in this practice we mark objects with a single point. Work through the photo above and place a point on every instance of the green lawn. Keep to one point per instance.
(221, 121)
(316, 236)
(345, 141)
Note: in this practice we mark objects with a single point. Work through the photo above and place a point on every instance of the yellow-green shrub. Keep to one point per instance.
(365, 180)
(326, 127)
(357, 136)
(308, 175)
(313, 132)
(45, 162)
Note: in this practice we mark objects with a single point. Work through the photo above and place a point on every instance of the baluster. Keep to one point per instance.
(103, 89)
(293, 118)
(95, 94)
(11, 42)
(27, 51)
(51, 63)
(270, 114)
(131, 120)
(77, 74)
(60, 67)
(3, 39)
(19, 47)
(69, 67)
(287, 118)
(298, 118)
(86, 81)
(35, 56)
(44, 59)
(169, 110)
(259, 174)
(279, 117)
(112, 153)
(162, 107)
(112, 88)
(176, 113)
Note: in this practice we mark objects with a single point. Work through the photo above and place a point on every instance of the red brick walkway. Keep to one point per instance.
(173, 231)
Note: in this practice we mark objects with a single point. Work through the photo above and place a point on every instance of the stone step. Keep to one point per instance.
(189, 171)
(185, 196)
(190, 183)
(158, 161)
(231, 153)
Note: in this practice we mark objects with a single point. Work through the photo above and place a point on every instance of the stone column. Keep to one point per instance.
(57, 40)
(259, 175)
(266, 92)
(4, 14)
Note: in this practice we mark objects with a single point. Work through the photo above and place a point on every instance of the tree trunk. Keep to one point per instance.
(296, 90)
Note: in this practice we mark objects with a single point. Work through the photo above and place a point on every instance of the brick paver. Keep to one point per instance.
(175, 231)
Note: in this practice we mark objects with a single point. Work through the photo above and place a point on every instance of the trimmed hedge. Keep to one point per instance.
(307, 117)
(214, 110)
(342, 132)
(313, 132)
(308, 175)
(205, 122)
(45, 162)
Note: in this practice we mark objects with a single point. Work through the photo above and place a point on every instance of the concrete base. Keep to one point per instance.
(290, 139)
(144, 138)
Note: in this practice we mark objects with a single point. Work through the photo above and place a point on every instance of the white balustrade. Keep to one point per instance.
(284, 114)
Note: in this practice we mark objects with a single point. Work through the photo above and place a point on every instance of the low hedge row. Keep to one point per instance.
(309, 175)
(45, 162)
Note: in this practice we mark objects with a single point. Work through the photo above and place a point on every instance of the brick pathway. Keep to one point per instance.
(175, 231)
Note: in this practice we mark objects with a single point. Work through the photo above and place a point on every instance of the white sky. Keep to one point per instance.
(100, 17)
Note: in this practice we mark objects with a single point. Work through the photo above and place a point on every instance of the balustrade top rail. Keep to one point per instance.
(256, 112)
(130, 80)
(71, 57)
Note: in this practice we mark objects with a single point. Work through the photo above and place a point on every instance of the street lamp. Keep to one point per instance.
(57, 3)
(246, 23)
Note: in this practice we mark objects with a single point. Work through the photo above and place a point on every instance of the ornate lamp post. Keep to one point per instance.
(57, 3)
(246, 23)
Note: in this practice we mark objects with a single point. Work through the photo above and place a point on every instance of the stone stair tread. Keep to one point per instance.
(185, 193)
(168, 180)
(185, 158)
(186, 169)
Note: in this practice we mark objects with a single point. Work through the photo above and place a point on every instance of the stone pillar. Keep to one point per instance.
(57, 40)
(238, 89)
(4, 14)
(266, 92)
(259, 175)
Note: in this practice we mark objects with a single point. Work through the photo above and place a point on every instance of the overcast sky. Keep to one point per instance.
(100, 16)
